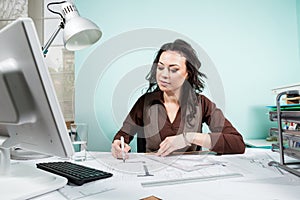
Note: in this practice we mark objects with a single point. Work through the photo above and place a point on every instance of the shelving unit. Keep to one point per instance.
(291, 136)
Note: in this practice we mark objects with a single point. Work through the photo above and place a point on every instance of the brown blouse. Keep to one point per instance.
(148, 119)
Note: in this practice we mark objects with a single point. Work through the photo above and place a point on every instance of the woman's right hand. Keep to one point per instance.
(117, 151)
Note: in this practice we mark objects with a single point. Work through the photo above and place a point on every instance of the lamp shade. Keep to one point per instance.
(79, 32)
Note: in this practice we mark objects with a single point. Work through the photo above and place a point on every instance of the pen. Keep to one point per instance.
(122, 147)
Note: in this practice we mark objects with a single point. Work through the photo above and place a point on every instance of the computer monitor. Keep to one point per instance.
(30, 115)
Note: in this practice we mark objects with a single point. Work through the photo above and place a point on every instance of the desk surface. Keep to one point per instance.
(245, 176)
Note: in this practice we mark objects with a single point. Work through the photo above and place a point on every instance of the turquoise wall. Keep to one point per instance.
(298, 21)
(247, 48)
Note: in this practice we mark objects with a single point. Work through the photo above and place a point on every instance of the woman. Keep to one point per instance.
(169, 116)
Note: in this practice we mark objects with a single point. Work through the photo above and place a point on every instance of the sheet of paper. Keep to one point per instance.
(187, 162)
(87, 190)
(169, 171)
(146, 168)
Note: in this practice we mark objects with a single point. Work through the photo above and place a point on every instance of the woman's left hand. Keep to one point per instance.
(171, 144)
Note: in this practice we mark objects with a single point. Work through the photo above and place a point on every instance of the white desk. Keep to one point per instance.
(251, 178)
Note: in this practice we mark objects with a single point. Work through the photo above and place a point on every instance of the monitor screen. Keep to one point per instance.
(29, 109)
(30, 115)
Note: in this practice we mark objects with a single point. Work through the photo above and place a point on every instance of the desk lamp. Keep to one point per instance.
(78, 32)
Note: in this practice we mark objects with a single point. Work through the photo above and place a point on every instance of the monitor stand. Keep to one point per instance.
(17, 153)
(23, 180)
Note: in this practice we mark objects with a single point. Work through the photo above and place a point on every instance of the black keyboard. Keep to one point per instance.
(75, 173)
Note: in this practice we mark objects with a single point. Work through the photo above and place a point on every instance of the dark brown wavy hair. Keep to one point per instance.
(193, 64)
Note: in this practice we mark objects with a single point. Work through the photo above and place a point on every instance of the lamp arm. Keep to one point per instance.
(49, 42)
